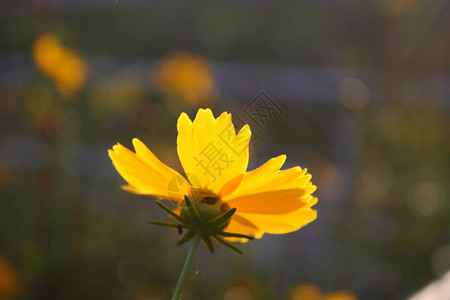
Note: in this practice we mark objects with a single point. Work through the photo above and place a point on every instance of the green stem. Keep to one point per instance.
(187, 265)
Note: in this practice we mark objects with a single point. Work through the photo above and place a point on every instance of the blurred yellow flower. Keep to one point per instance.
(396, 8)
(186, 77)
(9, 284)
(341, 295)
(215, 159)
(64, 66)
(307, 291)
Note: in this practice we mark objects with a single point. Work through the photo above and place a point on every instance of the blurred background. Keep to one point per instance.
(356, 91)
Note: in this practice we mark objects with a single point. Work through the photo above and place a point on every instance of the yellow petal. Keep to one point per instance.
(241, 225)
(268, 190)
(271, 202)
(146, 174)
(212, 155)
(278, 224)
(269, 176)
(258, 224)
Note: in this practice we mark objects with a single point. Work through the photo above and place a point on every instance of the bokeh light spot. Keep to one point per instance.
(426, 199)
(238, 293)
(353, 94)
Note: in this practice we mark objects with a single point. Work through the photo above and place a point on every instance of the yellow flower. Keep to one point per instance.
(9, 285)
(186, 77)
(215, 159)
(67, 68)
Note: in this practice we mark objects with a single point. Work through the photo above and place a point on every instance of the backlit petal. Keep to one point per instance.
(258, 224)
(278, 224)
(268, 190)
(239, 224)
(271, 202)
(146, 174)
(212, 155)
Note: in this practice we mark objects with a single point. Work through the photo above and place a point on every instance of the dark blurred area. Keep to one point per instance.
(362, 91)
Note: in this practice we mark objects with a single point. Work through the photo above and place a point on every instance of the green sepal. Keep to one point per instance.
(170, 212)
(207, 239)
(222, 219)
(186, 237)
(235, 235)
(192, 210)
(227, 244)
(165, 224)
(191, 220)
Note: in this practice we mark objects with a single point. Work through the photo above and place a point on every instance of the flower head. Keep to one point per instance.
(215, 158)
